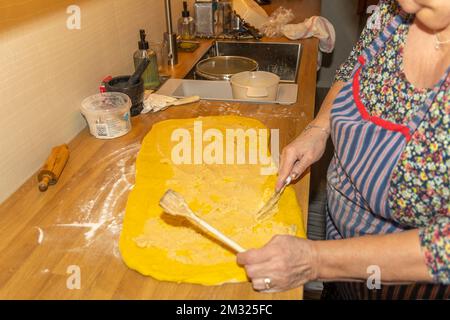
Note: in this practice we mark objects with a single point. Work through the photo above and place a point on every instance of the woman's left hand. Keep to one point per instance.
(285, 263)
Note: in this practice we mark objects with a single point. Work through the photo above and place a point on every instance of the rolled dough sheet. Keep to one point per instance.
(227, 196)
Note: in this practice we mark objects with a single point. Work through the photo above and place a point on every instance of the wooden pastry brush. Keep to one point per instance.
(266, 211)
(174, 204)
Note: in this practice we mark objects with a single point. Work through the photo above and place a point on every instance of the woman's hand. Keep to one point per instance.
(285, 263)
(300, 154)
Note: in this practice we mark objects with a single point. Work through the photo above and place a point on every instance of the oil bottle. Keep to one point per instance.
(151, 74)
(186, 24)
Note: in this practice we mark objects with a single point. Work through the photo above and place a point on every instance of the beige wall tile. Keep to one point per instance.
(47, 70)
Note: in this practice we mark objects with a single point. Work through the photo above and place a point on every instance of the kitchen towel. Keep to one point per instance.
(156, 102)
(318, 27)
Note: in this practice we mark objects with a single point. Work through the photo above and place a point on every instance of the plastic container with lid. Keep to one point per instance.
(107, 114)
(258, 85)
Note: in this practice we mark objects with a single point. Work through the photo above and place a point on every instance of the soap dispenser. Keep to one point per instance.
(151, 74)
(186, 24)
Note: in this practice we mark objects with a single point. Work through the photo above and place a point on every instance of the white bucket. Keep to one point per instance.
(107, 114)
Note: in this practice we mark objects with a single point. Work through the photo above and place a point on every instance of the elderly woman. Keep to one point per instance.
(388, 183)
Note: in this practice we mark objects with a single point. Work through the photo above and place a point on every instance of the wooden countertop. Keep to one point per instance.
(77, 222)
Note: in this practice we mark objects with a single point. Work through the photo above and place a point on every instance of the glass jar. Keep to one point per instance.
(162, 53)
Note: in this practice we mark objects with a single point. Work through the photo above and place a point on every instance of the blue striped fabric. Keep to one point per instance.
(367, 152)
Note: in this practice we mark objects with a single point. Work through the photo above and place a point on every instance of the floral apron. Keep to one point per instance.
(367, 152)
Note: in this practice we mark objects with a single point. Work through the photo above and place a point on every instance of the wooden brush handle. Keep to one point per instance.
(186, 100)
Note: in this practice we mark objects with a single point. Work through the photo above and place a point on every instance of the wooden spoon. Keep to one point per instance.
(174, 204)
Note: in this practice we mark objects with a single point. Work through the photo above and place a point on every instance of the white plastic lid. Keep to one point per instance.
(259, 79)
(108, 102)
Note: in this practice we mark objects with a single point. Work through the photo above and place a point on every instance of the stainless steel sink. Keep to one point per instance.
(282, 59)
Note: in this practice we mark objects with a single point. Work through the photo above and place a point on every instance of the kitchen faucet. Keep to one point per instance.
(170, 37)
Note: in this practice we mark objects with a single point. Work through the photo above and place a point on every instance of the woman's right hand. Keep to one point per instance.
(300, 154)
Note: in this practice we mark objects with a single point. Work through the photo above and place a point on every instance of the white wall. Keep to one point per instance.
(47, 70)
(343, 15)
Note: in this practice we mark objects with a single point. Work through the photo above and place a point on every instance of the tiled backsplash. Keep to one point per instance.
(47, 70)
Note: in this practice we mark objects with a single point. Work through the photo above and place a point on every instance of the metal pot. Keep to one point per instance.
(224, 67)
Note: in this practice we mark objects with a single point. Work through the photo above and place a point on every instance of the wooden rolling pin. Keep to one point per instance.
(53, 167)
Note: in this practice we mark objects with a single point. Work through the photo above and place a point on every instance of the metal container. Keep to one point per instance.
(224, 67)
(205, 13)
(213, 18)
(227, 11)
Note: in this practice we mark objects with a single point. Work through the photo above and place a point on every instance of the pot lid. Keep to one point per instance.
(223, 67)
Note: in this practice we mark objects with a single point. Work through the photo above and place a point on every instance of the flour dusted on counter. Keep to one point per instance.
(101, 213)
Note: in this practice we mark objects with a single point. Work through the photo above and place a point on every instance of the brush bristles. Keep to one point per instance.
(174, 204)
(266, 211)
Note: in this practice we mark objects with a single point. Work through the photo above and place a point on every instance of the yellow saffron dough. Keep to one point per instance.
(226, 195)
